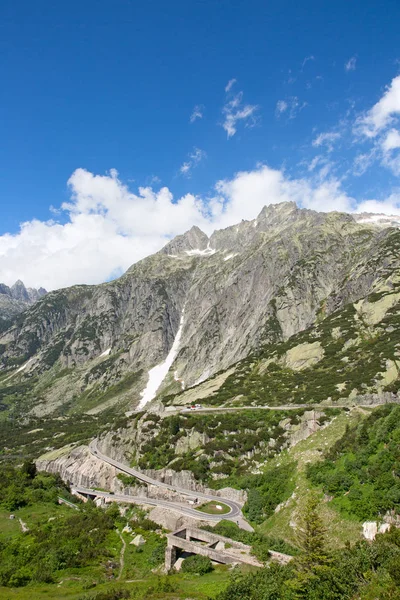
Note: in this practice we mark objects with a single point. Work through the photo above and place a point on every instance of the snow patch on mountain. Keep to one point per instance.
(158, 373)
(197, 252)
(231, 256)
(24, 366)
(378, 219)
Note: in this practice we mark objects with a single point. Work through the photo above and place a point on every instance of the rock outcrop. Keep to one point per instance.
(257, 282)
(77, 466)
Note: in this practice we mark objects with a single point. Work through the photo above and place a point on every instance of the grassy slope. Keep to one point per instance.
(137, 571)
(77, 583)
(181, 587)
(339, 528)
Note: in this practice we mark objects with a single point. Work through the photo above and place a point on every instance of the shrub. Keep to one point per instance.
(197, 564)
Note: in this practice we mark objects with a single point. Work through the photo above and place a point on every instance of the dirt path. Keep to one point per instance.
(121, 556)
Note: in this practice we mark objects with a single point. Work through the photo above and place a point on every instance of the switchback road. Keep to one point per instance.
(175, 506)
(235, 513)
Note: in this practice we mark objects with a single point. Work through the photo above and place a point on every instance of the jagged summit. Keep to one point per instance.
(17, 298)
(18, 291)
(253, 283)
(283, 208)
(194, 239)
(273, 218)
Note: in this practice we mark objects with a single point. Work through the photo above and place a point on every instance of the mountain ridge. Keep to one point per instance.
(15, 299)
(250, 284)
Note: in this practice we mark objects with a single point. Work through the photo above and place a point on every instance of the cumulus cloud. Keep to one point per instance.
(195, 157)
(389, 206)
(382, 114)
(391, 141)
(197, 113)
(235, 111)
(105, 226)
(350, 65)
(246, 194)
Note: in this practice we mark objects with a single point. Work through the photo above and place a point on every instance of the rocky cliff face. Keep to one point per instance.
(228, 295)
(79, 467)
(15, 299)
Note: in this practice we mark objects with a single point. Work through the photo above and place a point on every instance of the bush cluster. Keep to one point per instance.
(364, 571)
(362, 470)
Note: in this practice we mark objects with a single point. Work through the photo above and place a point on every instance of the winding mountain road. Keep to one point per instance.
(185, 409)
(225, 409)
(175, 506)
(235, 513)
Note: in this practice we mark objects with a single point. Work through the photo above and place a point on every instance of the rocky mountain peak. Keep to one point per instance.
(17, 298)
(192, 240)
(19, 291)
(4, 289)
(278, 210)
(205, 302)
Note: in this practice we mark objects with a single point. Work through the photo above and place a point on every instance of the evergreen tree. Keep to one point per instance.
(29, 469)
(313, 561)
(311, 535)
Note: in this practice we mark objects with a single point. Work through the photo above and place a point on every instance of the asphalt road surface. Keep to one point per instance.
(235, 513)
(175, 506)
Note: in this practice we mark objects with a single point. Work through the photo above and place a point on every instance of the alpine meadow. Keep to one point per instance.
(200, 351)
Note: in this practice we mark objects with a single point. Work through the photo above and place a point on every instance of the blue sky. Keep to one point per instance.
(100, 94)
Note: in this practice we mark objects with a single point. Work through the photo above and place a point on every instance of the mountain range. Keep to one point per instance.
(203, 304)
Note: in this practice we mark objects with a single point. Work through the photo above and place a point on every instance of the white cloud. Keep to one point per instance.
(362, 162)
(391, 141)
(306, 60)
(105, 227)
(195, 157)
(392, 161)
(326, 139)
(281, 107)
(229, 85)
(246, 194)
(198, 113)
(377, 126)
(390, 151)
(185, 168)
(390, 206)
(314, 163)
(235, 111)
(350, 65)
(382, 113)
(291, 106)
